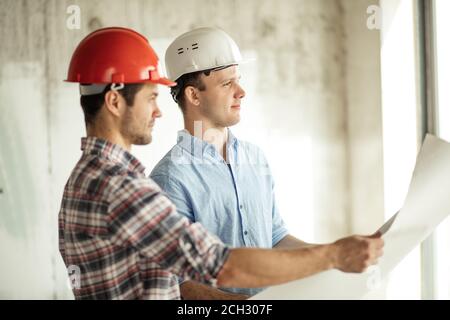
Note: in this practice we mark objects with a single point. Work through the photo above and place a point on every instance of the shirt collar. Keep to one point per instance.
(198, 147)
(111, 151)
(232, 140)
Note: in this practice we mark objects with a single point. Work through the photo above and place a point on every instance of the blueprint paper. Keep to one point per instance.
(426, 205)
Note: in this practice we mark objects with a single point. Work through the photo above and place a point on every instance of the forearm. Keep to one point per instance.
(291, 242)
(191, 290)
(252, 268)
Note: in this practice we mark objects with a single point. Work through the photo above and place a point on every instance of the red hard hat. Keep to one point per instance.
(115, 55)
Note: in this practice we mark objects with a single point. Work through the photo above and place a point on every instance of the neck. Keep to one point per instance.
(206, 131)
(111, 135)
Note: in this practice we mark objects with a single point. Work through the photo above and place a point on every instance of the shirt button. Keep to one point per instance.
(241, 207)
(245, 232)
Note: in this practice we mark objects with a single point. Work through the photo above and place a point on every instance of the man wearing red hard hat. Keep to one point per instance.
(118, 227)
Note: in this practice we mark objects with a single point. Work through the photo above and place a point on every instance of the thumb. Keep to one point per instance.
(377, 234)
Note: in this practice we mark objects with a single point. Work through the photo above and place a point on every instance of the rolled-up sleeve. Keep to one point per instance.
(279, 230)
(205, 253)
(143, 218)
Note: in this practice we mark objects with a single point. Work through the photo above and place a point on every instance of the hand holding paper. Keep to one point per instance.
(426, 205)
(357, 253)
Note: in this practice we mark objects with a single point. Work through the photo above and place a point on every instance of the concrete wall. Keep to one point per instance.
(305, 107)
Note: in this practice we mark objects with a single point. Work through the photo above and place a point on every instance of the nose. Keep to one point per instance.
(157, 112)
(240, 93)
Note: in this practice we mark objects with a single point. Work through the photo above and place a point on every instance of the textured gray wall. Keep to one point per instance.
(364, 119)
(316, 63)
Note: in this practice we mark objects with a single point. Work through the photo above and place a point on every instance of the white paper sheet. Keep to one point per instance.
(426, 205)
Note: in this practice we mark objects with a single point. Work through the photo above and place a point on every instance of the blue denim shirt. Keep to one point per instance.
(233, 200)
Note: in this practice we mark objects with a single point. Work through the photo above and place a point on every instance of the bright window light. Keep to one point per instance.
(399, 98)
(443, 78)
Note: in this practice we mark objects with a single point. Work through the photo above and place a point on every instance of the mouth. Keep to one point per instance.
(236, 106)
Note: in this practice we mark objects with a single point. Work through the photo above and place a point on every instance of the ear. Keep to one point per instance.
(191, 94)
(113, 103)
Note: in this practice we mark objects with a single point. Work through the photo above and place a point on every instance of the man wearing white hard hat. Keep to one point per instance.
(211, 176)
(119, 235)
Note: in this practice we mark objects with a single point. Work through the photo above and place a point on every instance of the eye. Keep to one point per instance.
(227, 84)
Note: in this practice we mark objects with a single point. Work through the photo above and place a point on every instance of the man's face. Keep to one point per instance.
(139, 119)
(220, 103)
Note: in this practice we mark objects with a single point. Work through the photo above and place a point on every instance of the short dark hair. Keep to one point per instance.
(92, 104)
(189, 79)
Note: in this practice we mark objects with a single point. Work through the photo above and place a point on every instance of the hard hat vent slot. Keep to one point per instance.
(180, 50)
(194, 46)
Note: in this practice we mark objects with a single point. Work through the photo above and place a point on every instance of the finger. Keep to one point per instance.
(378, 254)
(378, 243)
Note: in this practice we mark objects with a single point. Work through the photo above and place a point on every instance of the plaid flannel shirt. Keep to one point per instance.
(124, 235)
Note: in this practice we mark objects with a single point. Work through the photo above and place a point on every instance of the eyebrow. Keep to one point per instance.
(153, 94)
(229, 79)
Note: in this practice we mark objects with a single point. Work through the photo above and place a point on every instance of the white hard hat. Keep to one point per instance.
(201, 49)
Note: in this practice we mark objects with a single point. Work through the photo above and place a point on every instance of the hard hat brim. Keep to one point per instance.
(121, 55)
(165, 82)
